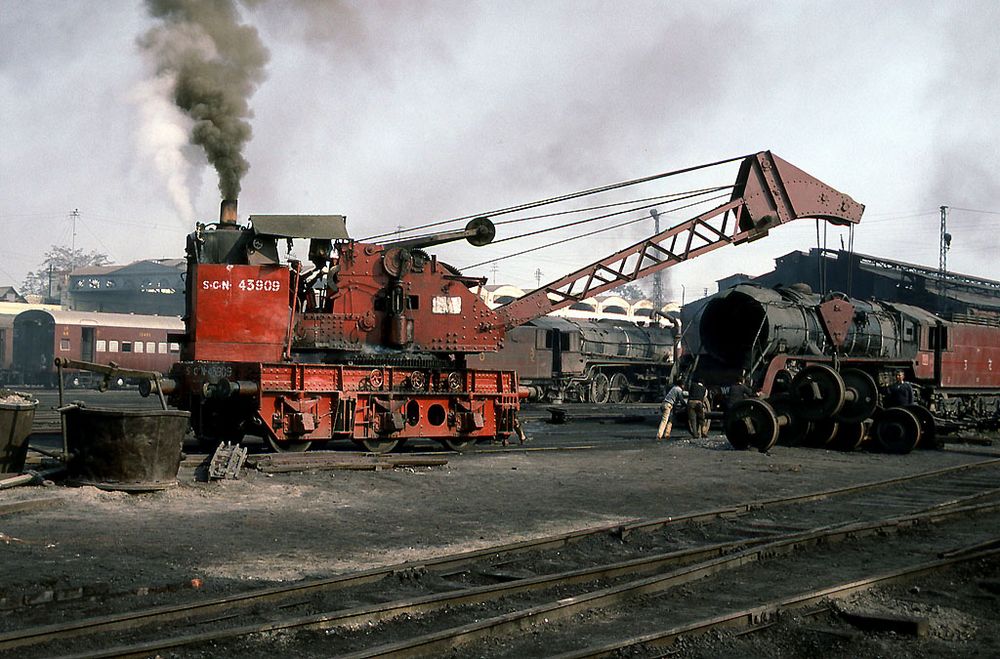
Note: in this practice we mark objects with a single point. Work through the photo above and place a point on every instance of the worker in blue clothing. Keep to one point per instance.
(674, 397)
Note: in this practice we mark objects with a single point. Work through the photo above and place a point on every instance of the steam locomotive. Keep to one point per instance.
(824, 360)
(597, 361)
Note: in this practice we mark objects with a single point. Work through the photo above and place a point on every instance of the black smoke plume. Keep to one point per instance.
(215, 65)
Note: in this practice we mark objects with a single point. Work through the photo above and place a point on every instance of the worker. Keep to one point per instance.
(673, 398)
(900, 391)
(522, 438)
(737, 392)
(697, 410)
(519, 431)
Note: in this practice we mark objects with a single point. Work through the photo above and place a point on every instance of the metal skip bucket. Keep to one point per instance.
(130, 450)
(17, 413)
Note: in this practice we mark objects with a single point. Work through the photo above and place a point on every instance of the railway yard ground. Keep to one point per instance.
(590, 539)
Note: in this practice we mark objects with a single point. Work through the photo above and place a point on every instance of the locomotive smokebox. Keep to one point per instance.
(227, 211)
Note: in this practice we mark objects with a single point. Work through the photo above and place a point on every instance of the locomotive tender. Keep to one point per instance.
(807, 353)
(376, 343)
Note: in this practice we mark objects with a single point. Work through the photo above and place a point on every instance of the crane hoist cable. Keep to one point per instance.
(607, 215)
(661, 199)
(643, 218)
(560, 198)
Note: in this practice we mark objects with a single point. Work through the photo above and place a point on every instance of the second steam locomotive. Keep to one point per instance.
(595, 361)
(821, 362)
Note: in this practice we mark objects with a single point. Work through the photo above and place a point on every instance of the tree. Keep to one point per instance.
(631, 292)
(56, 266)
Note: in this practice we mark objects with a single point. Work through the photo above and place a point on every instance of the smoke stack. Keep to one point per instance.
(227, 212)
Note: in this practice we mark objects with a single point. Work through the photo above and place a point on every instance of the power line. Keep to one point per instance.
(969, 210)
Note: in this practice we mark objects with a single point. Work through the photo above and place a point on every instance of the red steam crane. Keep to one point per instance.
(376, 342)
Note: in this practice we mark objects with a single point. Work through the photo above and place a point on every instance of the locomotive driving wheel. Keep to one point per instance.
(821, 433)
(752, 423)
(819, 391)
(863, 400)
(850, 435)
(793, 432)
(896, 430)
(928, 432)
(600, 389)
(619, 389)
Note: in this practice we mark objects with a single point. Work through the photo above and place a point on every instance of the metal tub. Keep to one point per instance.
(17, 413)
(130, 450)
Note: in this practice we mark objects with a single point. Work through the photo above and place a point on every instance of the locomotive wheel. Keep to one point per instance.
(821, 433)
(793, 432)
(619, 389)
(896, 430)
(600, 389)
(752, 423)
(849, 437)
(377, 444)
(287, 446)
(819, 391)
(928, 431)
(865, 396)
(456, 444)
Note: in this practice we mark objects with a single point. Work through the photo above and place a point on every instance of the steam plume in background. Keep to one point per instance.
(210, 65)
(163, 137)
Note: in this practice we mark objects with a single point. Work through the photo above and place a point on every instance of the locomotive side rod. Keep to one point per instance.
(768, 192)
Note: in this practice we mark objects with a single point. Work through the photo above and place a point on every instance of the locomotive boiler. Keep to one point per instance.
(374, 342)
(822, 361)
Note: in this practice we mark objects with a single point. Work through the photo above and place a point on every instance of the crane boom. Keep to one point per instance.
(768, 192)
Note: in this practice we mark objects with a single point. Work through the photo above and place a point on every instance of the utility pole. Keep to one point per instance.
(945, 244)
(538, 277)
(74, 216)
(658, 275)
(493, 269)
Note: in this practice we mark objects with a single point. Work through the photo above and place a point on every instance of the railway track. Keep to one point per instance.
(619, 572)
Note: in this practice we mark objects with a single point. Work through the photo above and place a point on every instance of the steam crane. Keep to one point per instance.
(369, 342)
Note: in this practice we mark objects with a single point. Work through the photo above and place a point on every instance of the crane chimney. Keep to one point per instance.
(227, 212)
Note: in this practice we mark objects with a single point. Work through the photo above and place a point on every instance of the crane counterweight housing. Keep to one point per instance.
(371, 342)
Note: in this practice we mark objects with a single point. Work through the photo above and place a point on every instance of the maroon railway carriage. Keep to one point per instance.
(129, 340)
(8, 312)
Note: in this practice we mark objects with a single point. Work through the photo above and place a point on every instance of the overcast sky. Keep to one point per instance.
(403, 113)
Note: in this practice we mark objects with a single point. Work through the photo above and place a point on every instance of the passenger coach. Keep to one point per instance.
(129, 340)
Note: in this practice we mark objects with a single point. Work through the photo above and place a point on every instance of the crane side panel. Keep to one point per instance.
(224, 298)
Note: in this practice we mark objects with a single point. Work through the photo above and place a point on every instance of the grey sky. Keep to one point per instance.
(402, 113)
